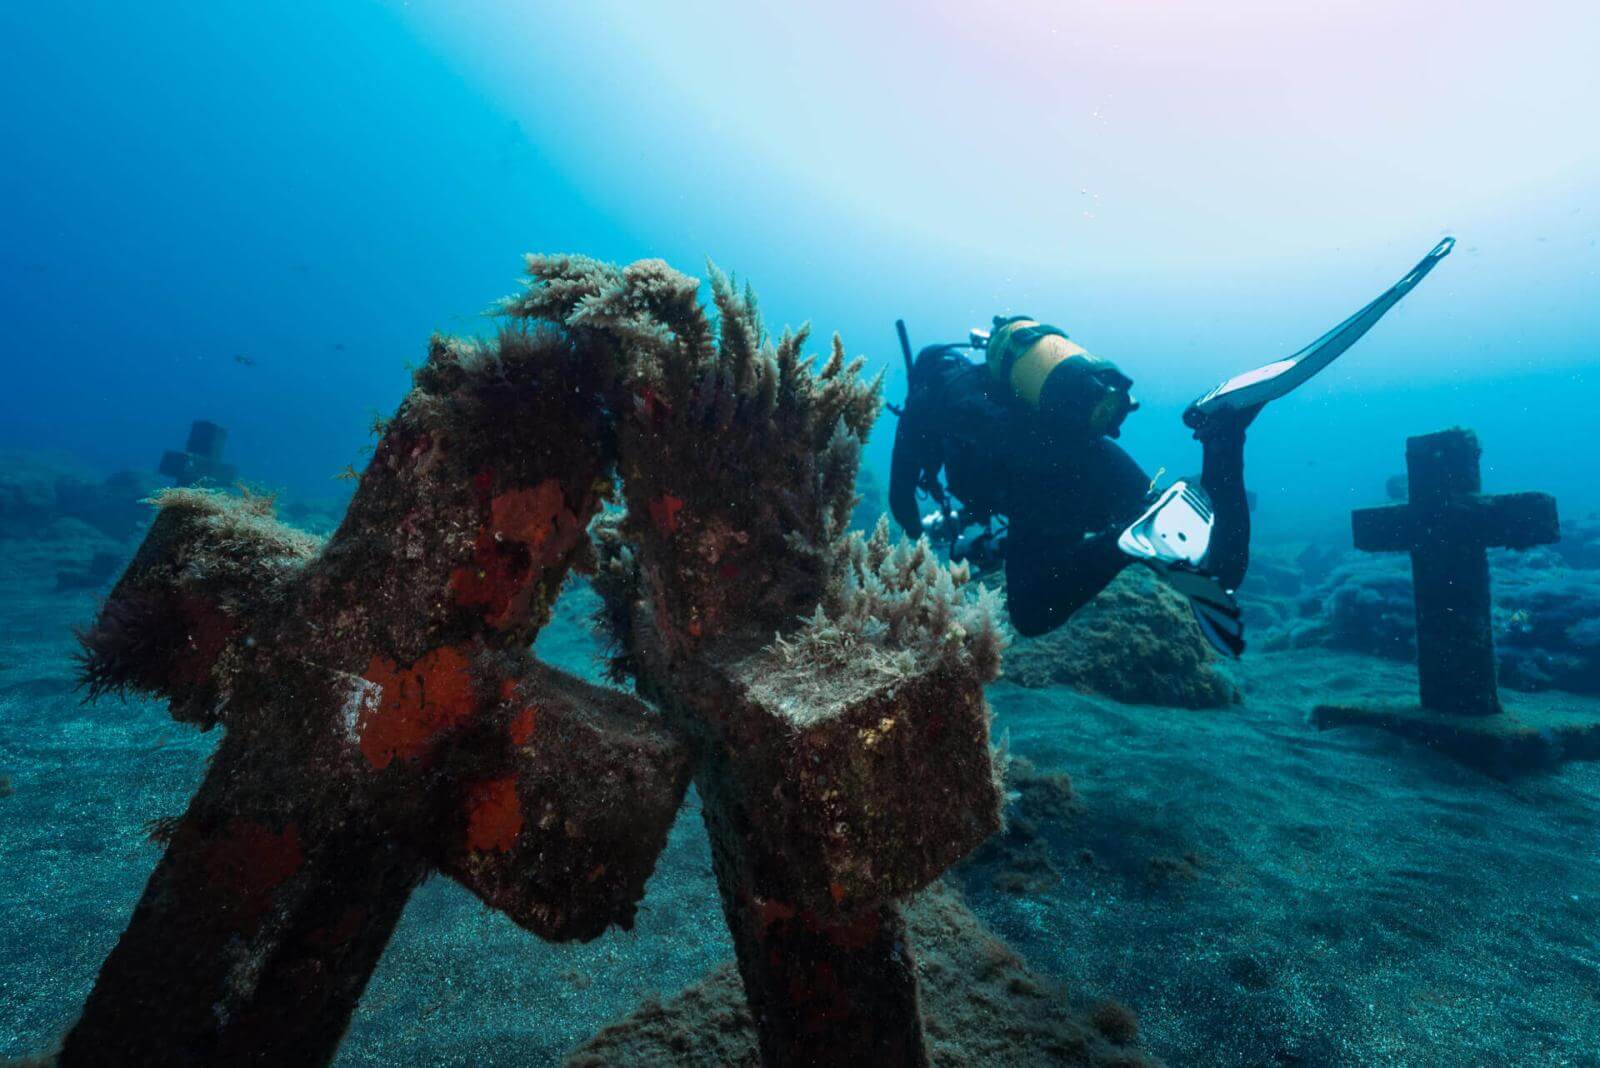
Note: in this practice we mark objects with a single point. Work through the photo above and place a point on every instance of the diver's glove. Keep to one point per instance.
(983, 550)
(1172, 538)
(944, 525)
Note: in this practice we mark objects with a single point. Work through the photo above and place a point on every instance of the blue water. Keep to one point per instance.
(318, 188)
(257, 215)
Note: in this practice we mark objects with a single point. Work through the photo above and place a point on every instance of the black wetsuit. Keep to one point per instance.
(1067, 496)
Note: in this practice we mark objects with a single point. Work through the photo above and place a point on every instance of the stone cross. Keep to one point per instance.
(1447, 526)
(201, 458)
(830, 688)
(383, 719)
(822, 816)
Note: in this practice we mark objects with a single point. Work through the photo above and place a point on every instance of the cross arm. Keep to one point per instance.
(208, 564)
(1515, 520)
(1508, 520)
(868, 783)
(1386, 529)
(561, 828)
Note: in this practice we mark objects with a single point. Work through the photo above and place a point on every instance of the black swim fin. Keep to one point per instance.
(1216, 610)
(1257, 387)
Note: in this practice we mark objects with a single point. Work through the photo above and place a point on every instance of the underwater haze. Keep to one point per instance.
(1187, 190)
(258, 214)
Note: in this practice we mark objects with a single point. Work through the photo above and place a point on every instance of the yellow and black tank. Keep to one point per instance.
(1039, 367)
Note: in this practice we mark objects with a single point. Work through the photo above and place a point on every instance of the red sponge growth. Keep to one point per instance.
(528, 530)
(664, 514)
(249, 862)
(494, 815)
(416, 704)
(521, 728)
(539, 518)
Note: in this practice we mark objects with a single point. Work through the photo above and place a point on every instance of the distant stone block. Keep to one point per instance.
(186, 469)
(201, 458)
(206, 439)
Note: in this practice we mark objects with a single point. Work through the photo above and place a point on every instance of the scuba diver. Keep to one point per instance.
(1033, 480)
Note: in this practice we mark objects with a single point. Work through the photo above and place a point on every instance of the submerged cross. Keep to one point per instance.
(383, 719)
(201, 459)
(844, 765)
(1447, 526)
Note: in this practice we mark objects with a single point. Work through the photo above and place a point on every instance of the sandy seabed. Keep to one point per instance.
(1257, 892)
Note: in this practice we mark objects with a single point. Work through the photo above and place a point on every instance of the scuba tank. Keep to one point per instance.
(1038, 366)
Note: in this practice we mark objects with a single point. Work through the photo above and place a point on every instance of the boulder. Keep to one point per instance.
(1137, 642)
(982, 1005)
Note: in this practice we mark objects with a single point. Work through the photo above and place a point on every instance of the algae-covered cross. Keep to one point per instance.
(383, 719)
(384, 716)
(843, 765)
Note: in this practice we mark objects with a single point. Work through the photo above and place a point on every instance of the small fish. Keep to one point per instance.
(338, 346)
(349, 474)
(244, 361)
(1520, 617)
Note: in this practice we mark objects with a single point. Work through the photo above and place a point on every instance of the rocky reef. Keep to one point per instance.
(982, 1006)
(1137, 642)
(38, 492)
(1547, 628)
(1546, 611)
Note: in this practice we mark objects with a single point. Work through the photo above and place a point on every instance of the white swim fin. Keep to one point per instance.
(1176, 529)
(1172, 537)
(1257, 387)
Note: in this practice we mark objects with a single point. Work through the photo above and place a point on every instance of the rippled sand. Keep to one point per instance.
(1259, 893)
